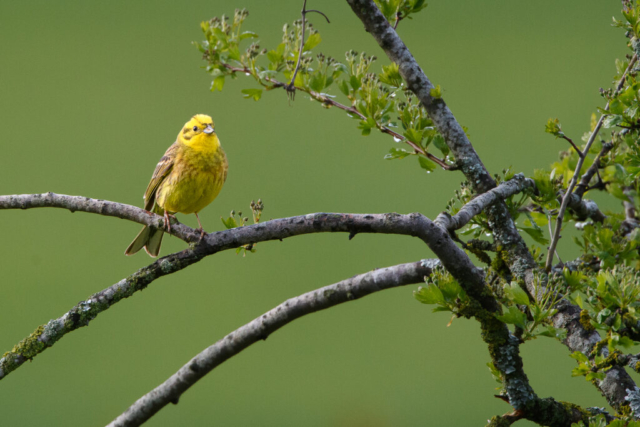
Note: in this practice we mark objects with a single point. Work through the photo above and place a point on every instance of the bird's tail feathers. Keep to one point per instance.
(148, 238)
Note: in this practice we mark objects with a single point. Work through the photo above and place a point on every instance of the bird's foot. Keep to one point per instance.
(202, 233)
(167, 221)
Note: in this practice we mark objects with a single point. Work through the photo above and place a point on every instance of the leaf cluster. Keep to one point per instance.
(531, 315)
(377, 100)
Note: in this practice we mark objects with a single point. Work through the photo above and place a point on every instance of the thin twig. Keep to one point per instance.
(575, 147)
(550, 234)
(263, 326)
(576, 173)
(398, 19)
(582, 187)
(291, 88)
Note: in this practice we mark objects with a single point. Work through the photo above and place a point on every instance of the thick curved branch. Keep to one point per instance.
(479, 203)
(85, 311)
(263, 326)
(454, 259)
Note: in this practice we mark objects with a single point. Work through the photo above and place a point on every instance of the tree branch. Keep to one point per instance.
(479, 203)
(516, 254)
(582, 187)
(328, 101)
(263, 326)
(576, 173)
(97, 206)
(454, 259)
(504, 230)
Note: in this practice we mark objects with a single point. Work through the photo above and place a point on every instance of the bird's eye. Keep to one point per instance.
(195, 128)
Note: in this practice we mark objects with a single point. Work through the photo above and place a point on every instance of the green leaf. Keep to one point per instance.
(355, 82)
(426, 164)
(429, 294)
(220, 34)
(217, 83)
(274, 56)
(612, 120)
(391, 75)
(441, 145)
(515, 293)
(413, 135)
(312, 41)
(514, 316)
(318, 82)
(234, 52)
(579, 356)
(536, 234)
(397, 153)
(256, 94)
(575, 279)
(247, 35)
(344, 87)
(366, 130)
(550, 331)
(617, 192)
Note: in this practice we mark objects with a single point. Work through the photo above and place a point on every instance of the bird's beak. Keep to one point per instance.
(208, 130)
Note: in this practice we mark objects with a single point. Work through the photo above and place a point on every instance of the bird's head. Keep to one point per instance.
(198, 132)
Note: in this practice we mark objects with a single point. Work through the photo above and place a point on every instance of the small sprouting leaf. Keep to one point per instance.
(429, 294)
(391, 75)
(254, 94)
(229, 222)
(436, 92)
(553, 127)
(426, 164)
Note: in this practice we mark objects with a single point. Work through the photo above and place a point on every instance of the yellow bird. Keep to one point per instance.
(187, 178)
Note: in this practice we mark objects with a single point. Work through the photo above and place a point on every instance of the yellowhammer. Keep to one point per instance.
(187, 178)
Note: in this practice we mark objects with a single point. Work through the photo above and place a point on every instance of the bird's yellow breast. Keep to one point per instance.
(196, 179)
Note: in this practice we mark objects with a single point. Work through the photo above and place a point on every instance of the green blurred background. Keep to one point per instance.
(92, 95)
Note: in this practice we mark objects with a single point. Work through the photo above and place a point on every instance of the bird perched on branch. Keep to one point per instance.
(187, 178)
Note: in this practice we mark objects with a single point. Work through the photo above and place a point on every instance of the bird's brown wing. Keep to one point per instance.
(225, 167)
(164, 167)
